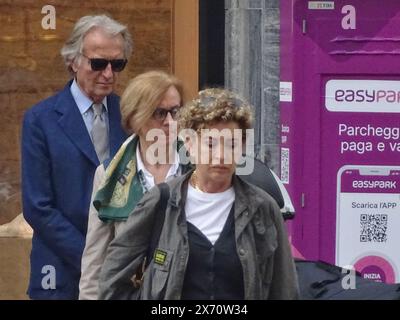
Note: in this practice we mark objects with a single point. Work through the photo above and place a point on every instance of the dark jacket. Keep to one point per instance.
(261, 241)
(58, 164)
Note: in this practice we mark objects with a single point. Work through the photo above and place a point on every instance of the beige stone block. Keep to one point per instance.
(17, 228)
(12, 35)
(9, 143)
(10, 190)
(153, 38)
(21, 101)
(49, 66)
(12, 20)
(14, 268)
(35, 19)
(45, 79)
(7, 113)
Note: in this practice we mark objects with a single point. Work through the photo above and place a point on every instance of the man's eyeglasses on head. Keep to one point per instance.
(160, 113)
(99, 64)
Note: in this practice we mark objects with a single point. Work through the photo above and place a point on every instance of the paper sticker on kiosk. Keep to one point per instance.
(362, 96)
(368, 217)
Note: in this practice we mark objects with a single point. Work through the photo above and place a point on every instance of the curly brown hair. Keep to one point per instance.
(215, 105)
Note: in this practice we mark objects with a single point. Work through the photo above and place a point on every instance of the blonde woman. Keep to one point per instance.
(222, 238)
(150, 102)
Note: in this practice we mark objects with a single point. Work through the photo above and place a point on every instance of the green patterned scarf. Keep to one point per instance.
(121, 189)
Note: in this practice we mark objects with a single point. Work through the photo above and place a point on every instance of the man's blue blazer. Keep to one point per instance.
(58, 165)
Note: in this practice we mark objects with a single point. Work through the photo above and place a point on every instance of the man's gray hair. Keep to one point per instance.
(73, 46)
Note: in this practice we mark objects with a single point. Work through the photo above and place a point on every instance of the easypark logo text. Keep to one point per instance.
(362, 96)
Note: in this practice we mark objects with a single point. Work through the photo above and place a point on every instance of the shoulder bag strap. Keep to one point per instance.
(159, 221)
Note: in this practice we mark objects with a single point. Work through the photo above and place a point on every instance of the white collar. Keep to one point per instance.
(140, 165)
(82, 100)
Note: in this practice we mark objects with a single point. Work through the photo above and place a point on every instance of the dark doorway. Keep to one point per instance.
(212, 43)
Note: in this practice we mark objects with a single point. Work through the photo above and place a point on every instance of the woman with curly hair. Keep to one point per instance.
(221, 238)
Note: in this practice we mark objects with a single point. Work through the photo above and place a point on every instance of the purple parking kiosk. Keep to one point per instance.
(340, 127)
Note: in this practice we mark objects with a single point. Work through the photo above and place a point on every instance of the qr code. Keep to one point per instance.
(373, 227)
(285, 165)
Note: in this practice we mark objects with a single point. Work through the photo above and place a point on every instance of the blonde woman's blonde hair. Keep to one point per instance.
(143, 95)
(215, 105)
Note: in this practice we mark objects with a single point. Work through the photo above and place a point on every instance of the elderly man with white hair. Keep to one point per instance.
(64, 138)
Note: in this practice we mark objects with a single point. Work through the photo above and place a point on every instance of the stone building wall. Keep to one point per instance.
(252, 67)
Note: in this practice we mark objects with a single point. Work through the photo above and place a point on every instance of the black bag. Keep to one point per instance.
(262, 177)
(323, 281)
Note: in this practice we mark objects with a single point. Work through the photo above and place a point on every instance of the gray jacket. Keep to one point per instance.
(261, 241)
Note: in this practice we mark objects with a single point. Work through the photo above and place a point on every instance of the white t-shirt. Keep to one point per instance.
(209, 211)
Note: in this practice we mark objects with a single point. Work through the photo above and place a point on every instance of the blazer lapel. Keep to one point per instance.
(73, 125)
(117, 134)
